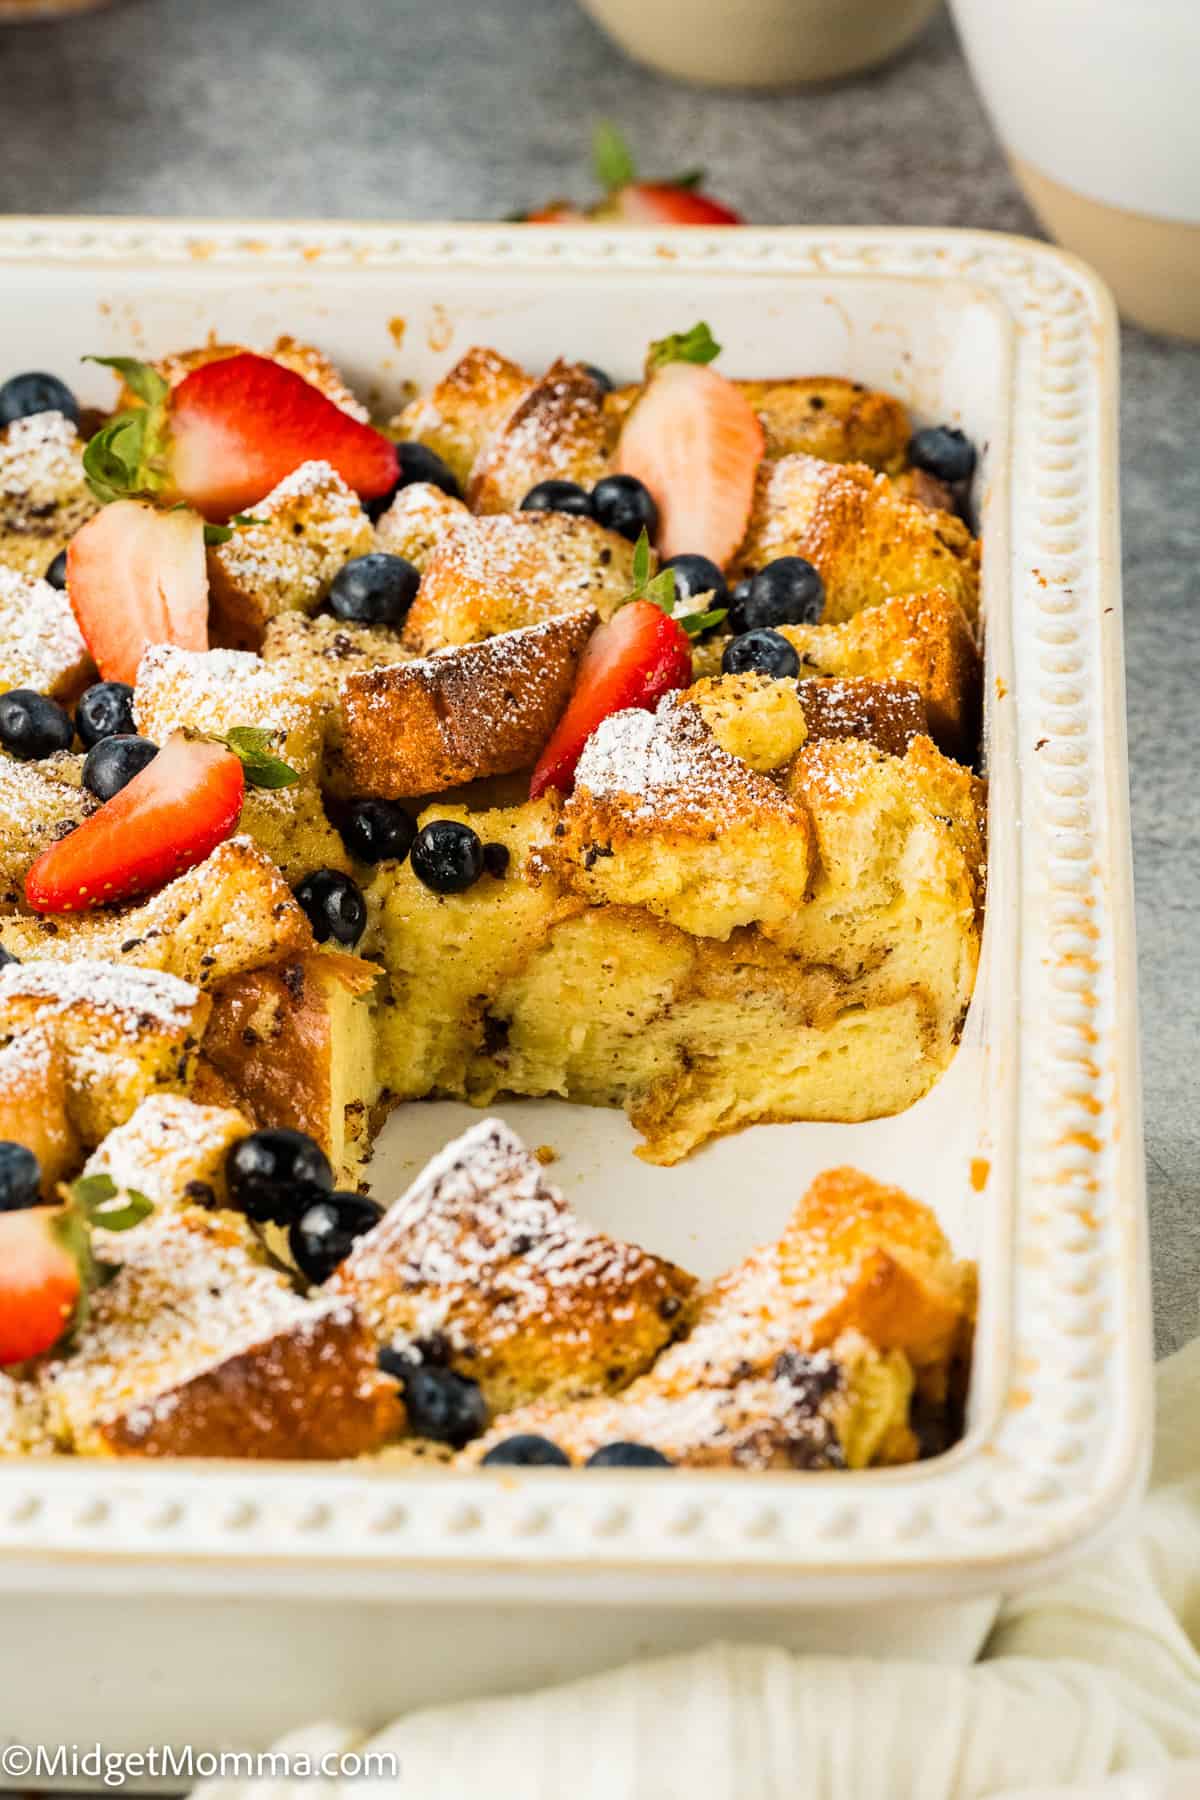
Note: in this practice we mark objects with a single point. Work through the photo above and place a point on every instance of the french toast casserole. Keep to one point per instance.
(552, 737)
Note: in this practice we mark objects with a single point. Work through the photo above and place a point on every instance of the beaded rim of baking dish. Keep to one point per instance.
(1065, 1448)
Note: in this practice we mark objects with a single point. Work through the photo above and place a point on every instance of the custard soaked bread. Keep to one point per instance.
(588, 741)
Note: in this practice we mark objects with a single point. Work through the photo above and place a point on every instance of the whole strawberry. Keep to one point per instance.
(630, 201)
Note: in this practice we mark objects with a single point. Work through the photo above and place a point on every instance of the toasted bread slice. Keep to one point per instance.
(213, 691)
(197, 1347)
(319, 653)
(40, 644)
(662, 817)
(558, 430)
(483, 1265)
(305, 530)
(921, 638)
(44, 498)
(290, 825)
(888, 714)
(868, 541)
(33, 1104)
(173, 1151)
(475, 710)
(752, 717)
(458, 416)
(824, 415)
(39, 803)
(303, 359)
(838, 1409)
(296, 1044)
(491, 575)
(233, 911)
(125, 1033)
(416, 520)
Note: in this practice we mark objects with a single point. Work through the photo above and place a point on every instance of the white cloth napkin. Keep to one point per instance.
(1087, 1689)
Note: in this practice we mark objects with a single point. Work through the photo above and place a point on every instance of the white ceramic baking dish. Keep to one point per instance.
(224, 1602)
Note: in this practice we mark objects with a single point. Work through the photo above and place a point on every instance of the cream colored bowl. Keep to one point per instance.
(1096, 103)
(760, 43)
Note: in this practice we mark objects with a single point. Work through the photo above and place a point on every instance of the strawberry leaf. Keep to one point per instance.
(612, 158)
(696, 624)
(73, 1232)
(102, 1203)
(690, 180)
(252, 747)
(139, 377)
(112, 461)
(246, 519)
(217, 534)
(695, 346)
(641, 561)
(661, 591)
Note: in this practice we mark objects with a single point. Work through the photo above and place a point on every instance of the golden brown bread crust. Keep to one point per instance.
(483, 1265)
(320, 652)
(475, 710)
(310, 1393)
(558, 430)
(173, 1150)
(824, 415)
(922, 638)
(416, 520)
(124, 1033)
(303, 532)
(274, 1039)
(33, 1105)
(494, 574)
(868, 541)
(458, 415)
(888, 714)
(233, 911)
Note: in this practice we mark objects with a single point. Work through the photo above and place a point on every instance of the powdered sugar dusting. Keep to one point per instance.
(667, 765)
(129, 998)
(40, 644)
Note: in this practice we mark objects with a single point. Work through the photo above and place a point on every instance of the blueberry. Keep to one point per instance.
(762, 653)
(628, 1456)
(320, 1238)
(559, 496)
(696, 576)
(623, 504)
(447, 856)
(6, 957)
(23, 395)
(334, 904)
(112, 764)
(788, 591)
(32, 726)
(276, 1174)
(525, 1451)
(601, 377)
(944, 451)
(441, 1403)
(56, 574)
(376, 589)
(496, 858)
(417, 463)
(105, 710)
(20, 1178)
(378, 831)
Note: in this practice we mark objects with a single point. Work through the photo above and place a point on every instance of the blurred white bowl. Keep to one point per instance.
(1098, 105)
(760, 43)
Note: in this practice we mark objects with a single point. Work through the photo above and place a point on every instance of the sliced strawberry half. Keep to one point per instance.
(633, 659)
(166, 820)
(135, 577)
(41, 1280)
(238, 426)
(695, 441)
(663, 203)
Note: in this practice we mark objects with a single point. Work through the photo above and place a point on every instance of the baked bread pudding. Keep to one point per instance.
(550, 738)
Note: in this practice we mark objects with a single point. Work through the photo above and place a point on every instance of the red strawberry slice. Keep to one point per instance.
(40, 1281)
(639, 655)
(166, 820)
(240, 425)
(695, 441)
(136, 576)
(558, 212)
(660, 203)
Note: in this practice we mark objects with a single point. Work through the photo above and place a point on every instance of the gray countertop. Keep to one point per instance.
(395, 109)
